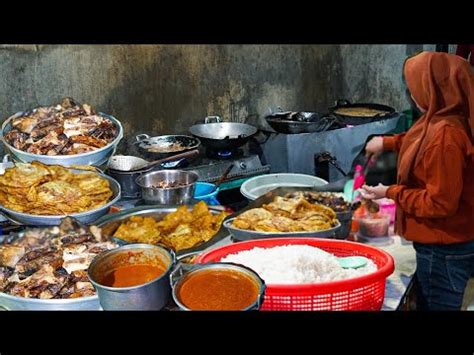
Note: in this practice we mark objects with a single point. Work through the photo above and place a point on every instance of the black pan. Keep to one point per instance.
(357, 120)
(299, 122)
(161, 146)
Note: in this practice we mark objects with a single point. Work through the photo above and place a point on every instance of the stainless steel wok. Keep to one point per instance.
(220, 135)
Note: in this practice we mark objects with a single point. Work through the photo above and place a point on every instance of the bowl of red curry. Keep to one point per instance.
(219, 287)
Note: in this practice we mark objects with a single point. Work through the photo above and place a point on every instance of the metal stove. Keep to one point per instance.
(211, 165)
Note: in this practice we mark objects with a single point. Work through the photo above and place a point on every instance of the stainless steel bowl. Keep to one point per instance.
(110, 223)
(242, 234)
(16, 303)
(153, 295)
(152, 194)
(97, 157)
(180, 276)
(83, 217)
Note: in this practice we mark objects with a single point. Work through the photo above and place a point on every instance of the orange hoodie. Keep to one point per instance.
(435, 186)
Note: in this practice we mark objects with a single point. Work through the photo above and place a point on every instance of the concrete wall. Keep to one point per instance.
(373, 73)
(163, 89)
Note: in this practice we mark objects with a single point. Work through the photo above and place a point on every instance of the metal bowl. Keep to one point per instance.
(152, 194)
(259, 185)
(178, 278)
(242, 234)
(110, 223)
(97, 157)
(16, 303)
(153, 295)
(83, 217)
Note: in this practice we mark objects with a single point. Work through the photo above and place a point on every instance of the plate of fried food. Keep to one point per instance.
(39, 194)
(284, 217)
(180, 228)
(45, 268)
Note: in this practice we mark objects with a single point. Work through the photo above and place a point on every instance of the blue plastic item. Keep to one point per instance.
(206, 192)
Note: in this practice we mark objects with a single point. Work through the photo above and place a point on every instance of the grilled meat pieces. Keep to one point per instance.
(51, 262)
(65, 129)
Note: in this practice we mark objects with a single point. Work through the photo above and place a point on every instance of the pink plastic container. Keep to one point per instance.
(388, 206)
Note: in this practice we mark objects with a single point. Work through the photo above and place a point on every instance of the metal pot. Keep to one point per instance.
(97, 157)
(222, 136)
(182, 274)
(357, 120)
(123, 169)
(158, 147)
(153, 295)
(167, 196)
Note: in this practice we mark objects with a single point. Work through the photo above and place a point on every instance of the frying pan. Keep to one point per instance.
(357, 120)
(161, 146)
(220, 135)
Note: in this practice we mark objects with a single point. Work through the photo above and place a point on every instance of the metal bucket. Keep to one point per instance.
(153, 295)
(181, 275)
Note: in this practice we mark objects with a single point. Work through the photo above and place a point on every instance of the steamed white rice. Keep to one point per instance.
(296, 264)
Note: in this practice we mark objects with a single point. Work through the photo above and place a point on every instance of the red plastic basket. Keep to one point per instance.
(363, 293)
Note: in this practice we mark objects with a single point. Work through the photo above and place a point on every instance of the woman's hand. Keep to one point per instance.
(374, 192)
(374, 147)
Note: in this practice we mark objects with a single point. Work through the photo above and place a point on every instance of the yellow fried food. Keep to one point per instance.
(287, 215)
(139, 230)
(42, 189)
(182, 229)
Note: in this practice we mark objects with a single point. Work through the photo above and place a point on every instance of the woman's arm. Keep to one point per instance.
(393, 143)
(440, 196)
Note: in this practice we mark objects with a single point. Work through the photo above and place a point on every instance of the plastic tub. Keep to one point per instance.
(389, 207)
(371, 226)
(206, 192)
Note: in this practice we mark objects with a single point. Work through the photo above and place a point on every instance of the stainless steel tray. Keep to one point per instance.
(268, 197)
(110, 223)
(83, 217)
(242, 234)
(15, 303)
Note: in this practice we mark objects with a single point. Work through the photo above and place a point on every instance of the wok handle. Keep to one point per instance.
(190, 154)
(342, 102)
(208, 119)
(140, 137)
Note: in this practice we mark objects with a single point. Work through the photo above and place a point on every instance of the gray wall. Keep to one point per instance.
(373, 73)
(163, 89)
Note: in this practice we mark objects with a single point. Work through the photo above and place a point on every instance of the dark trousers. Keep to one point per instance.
(442, 273)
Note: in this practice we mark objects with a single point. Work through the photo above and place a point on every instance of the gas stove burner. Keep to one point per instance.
(224, 154)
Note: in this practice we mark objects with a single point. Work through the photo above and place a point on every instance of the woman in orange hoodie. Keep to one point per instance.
(435, 183)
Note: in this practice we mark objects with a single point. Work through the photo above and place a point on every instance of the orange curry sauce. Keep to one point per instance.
(132, 275)
(218, 290)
